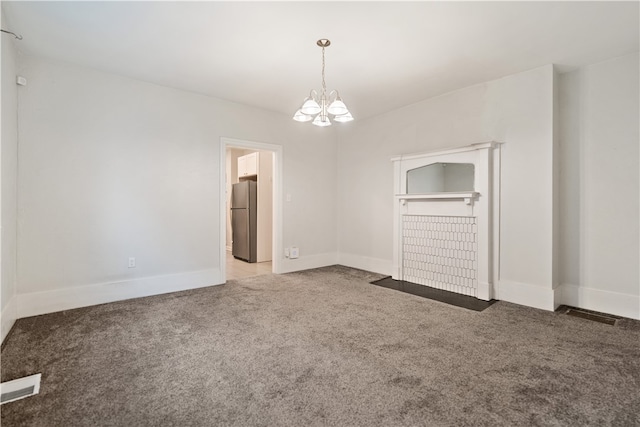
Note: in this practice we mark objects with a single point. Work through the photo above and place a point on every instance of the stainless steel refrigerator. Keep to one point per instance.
(244, 222)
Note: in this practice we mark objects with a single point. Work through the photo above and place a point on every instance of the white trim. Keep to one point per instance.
(35, 303)
(495, 214)
(526, 294)
(277, 248)
(308, 262)
(375, 265)
(615, 303)
(450, 195)
(457, 150)
(9, 316)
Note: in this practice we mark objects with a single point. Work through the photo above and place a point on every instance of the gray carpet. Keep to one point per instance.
(321, 347)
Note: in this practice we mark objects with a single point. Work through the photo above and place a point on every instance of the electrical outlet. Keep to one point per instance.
(294, 252)
(286, 252)
(132, 262)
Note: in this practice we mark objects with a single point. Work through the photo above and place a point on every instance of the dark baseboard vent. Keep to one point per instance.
(20, 388)
(594, 316)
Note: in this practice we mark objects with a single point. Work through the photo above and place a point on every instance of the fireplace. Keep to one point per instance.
(446, 219)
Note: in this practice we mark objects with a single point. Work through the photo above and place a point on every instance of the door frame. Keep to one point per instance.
(276, 243)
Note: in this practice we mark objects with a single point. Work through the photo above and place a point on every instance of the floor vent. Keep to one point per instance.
(20, 388)
(593, 316)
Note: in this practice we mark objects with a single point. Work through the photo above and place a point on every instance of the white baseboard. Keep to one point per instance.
(229, 248)
(8, 317)
(375, 265)
(35, 303)
(615, 303)
(288, 265)
(526, 294)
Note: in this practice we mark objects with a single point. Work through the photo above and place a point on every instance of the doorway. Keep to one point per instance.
(234, 154)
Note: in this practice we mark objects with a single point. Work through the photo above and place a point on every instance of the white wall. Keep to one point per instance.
(599, 181)
(265, 207)
(516, 110)
(8, 153)
(112, 168)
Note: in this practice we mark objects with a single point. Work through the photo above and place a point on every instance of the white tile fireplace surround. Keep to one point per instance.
(441, 252)
(446, 219)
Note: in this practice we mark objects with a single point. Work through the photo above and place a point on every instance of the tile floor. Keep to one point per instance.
(237, 269)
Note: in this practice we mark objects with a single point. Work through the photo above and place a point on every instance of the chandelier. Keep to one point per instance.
(318, 108)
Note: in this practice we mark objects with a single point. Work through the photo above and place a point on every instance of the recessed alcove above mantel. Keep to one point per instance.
(446, 221)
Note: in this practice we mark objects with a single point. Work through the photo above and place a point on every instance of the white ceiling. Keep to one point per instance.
(383, 55)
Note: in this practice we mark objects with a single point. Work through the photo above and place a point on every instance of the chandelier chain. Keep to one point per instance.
(324, 85)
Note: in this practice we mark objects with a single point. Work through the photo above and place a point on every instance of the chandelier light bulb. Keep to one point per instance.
(343, 118)
(338, 108)
(321, 121)
(299, 116)
(310, 106)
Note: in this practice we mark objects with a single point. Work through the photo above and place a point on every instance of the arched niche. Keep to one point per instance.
(441, 177)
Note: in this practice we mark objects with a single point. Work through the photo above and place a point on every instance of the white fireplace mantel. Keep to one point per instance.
(478, 208)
